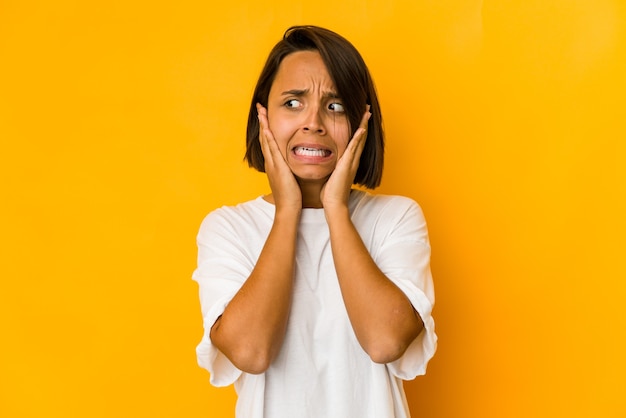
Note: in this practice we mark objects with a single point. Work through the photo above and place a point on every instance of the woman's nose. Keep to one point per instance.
(313, 121)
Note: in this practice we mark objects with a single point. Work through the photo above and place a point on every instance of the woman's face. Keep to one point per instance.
(307, 117)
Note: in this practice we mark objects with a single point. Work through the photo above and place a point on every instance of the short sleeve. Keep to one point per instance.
(224, 263)
(404, 257)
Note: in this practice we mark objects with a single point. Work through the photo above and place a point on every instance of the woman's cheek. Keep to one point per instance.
(343, 138)
(280, 134)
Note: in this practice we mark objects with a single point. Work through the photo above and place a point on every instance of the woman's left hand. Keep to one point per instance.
(336, 191)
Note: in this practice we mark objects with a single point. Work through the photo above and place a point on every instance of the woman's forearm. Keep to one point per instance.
(251, 330)
(381, 315)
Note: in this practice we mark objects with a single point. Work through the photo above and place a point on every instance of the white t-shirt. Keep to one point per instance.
(321, 370)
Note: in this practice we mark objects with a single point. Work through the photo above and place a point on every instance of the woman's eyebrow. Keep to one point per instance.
(302, 92)
(294, 92)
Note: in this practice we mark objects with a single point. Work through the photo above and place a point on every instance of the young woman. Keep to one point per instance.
(316, 298)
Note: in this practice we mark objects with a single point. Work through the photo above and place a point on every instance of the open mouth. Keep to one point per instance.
(311, 152)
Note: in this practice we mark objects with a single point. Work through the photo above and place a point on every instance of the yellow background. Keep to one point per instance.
(122, 124)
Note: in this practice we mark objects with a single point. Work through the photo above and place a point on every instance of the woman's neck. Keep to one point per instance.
(311, 194)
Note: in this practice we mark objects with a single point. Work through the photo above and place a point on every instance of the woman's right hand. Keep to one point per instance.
(286, 191)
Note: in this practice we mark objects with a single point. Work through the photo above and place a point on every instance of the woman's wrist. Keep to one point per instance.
(337, 213)
(288, 213)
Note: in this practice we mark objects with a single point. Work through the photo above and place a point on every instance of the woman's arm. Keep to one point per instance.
(251, 330)
(381, 315)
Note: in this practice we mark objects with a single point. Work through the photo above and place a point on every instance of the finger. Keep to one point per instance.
(265, 134)
(262, 114)
(357, 143)
(364, 124)
(271, 151)
(366, 117)
(263, 122)
(262, 132)
(361, 132)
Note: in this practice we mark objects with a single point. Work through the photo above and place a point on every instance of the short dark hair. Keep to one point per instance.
(354, 85)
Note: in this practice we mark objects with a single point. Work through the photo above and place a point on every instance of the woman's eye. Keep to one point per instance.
(336, 107)
(293, 103)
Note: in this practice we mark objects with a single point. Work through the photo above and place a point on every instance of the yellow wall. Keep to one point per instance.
(122, 125)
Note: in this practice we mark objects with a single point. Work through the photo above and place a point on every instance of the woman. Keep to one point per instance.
(316, 298)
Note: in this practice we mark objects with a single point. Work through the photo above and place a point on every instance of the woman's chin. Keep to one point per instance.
(312, 178)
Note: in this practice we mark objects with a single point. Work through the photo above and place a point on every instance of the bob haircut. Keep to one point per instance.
(354, 86)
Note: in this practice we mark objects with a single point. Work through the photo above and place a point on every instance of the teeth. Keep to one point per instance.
(310, 152)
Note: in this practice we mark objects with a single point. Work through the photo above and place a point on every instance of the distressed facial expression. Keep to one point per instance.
(307, 117)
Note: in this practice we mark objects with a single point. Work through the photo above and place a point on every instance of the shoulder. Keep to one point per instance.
(385, 220)
(382, 204)
(235, 217)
